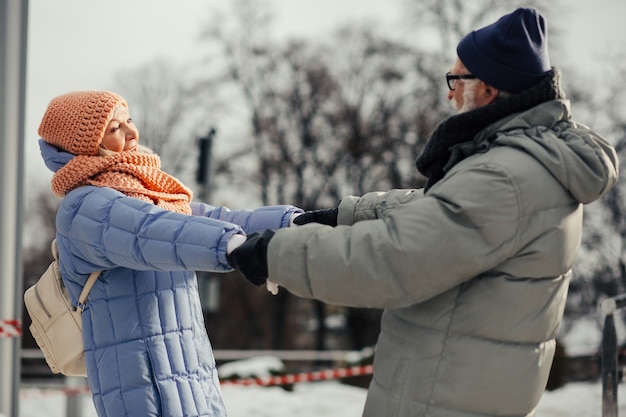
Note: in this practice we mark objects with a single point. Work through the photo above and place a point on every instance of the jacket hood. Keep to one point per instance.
(580, 159)
(53, 157)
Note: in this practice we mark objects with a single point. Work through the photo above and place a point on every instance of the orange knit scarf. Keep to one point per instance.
(135, 174)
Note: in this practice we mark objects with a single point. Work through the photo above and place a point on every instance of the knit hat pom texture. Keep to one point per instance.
(76, 122)
(510, 54)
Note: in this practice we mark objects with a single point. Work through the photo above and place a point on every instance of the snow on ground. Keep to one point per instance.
(328, 399)
(577, 399)
(311, 399)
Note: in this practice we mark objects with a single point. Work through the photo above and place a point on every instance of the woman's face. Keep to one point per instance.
(121, 133)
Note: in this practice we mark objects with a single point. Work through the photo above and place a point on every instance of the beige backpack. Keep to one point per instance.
(56, 323)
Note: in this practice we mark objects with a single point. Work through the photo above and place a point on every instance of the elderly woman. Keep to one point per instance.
(147, 352)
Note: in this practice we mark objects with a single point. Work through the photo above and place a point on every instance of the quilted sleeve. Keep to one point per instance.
(100, 228)
(269, 217)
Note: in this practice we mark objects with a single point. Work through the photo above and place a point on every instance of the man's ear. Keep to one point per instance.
(491, 93)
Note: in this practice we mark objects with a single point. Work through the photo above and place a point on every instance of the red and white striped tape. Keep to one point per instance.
(267, 381)
(10, 328)
(303, 377)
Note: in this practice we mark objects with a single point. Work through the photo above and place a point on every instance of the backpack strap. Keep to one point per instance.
(86, 289)
(82, 299)
(55, 250)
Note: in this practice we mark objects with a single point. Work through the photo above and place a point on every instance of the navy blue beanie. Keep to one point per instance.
(510, 54)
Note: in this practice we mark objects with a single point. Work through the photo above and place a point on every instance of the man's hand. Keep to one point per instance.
(325, 216)
(250, 258)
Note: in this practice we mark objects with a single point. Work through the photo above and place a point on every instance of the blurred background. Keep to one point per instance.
(260, 102)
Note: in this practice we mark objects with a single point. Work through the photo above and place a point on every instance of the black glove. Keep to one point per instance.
(325, 216)
(250, 258)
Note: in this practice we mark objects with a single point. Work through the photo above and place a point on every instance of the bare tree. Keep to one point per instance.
(325, 120)
(442, 23)
(600, 269)
(346, 114)
(328, 119)
(170, 109)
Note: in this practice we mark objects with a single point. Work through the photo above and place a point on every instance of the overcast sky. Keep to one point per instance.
(82, 44)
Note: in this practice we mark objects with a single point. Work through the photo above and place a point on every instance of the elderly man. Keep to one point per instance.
(472, 271)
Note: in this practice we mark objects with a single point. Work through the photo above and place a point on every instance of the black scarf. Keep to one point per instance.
(453, 139)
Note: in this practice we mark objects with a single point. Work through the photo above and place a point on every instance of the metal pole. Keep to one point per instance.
(74, 402)
(204, 168)
(208, 285)
(609, 368)
(13, 31)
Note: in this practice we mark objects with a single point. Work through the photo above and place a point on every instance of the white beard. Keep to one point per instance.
(469, 99)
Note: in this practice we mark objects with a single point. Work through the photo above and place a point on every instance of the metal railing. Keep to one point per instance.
(609, 355)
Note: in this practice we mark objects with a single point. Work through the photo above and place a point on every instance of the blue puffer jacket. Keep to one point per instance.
(146, 347)
(147, 351)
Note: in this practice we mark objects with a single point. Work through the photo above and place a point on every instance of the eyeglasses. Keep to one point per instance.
(451, 79)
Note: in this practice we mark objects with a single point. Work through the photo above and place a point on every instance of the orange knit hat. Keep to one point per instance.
(75, 122)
